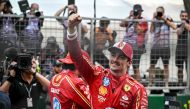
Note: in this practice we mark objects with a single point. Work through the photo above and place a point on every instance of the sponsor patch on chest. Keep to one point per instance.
(56, 91)
(56, 103)
(103, 90)
(101, 98)
(124, 101)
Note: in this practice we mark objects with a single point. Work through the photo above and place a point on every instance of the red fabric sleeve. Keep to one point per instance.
(84, 66)
(141, 99)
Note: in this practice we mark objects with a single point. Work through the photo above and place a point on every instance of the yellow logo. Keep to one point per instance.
(126, 87)
(56, 81)
(103, 90)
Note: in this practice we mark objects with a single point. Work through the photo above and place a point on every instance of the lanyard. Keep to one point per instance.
(29, 91)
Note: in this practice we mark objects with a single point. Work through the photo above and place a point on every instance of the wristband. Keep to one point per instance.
(73, 35)
(11, 79)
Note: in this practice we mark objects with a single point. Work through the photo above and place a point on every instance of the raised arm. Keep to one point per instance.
(84, 65)
(43, 81)
(58, 13)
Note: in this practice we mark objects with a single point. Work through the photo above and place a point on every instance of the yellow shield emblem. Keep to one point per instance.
(126, 87)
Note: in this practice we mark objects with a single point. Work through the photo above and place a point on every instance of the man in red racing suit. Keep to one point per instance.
(109, 88)
(67, 90)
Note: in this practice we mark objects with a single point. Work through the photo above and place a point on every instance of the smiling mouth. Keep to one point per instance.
(114, 67)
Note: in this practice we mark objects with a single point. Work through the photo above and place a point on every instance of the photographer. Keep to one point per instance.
(24, 85)
(182, 44)
(160, 27)
(135, 35)
(30, 29)
(64, 22)
(103, 37)
(8, 34)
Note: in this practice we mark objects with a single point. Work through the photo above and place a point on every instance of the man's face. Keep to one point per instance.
(184, 16)
(104, 25)
(119, 63)
(58, 69)
(72, 7)
(35, 7)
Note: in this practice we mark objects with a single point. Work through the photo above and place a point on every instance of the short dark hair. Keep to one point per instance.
(183, 11)
(161, 8)
(69, 66)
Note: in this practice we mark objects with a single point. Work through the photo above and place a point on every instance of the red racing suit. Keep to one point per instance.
(67, 91)
(107, 92)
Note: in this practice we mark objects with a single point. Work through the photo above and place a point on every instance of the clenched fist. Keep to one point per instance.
(73, 20)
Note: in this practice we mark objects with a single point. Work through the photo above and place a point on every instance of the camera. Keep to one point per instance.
(24, 60)
(71, 2)
(159, 14)
(187, 21)
(37, 13)
(135, 13)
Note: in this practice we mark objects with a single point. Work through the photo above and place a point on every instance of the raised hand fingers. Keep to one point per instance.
(74, 20)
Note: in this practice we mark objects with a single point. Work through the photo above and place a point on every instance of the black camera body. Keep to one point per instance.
(135, 13)
(24, 62)
(159, 14)
(37, 13)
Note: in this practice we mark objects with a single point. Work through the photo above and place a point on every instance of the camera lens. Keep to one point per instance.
(37, 13)
(135, 13)
(159, 14)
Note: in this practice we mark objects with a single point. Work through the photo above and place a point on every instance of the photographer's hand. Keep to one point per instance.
(12, 73)
(6, 85)
(34, 65)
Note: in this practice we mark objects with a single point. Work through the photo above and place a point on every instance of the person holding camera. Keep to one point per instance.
(182, 44)
(160, 27)
(30, 29)
(135, 35)
(104, 38)
(8, 33)
(24, 85)
(64, 22)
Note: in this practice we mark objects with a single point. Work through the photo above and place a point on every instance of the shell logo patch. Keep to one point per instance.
(56, 81)
(103, 90)
(126, 87)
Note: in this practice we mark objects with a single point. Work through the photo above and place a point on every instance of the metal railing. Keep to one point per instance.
(53, 28)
